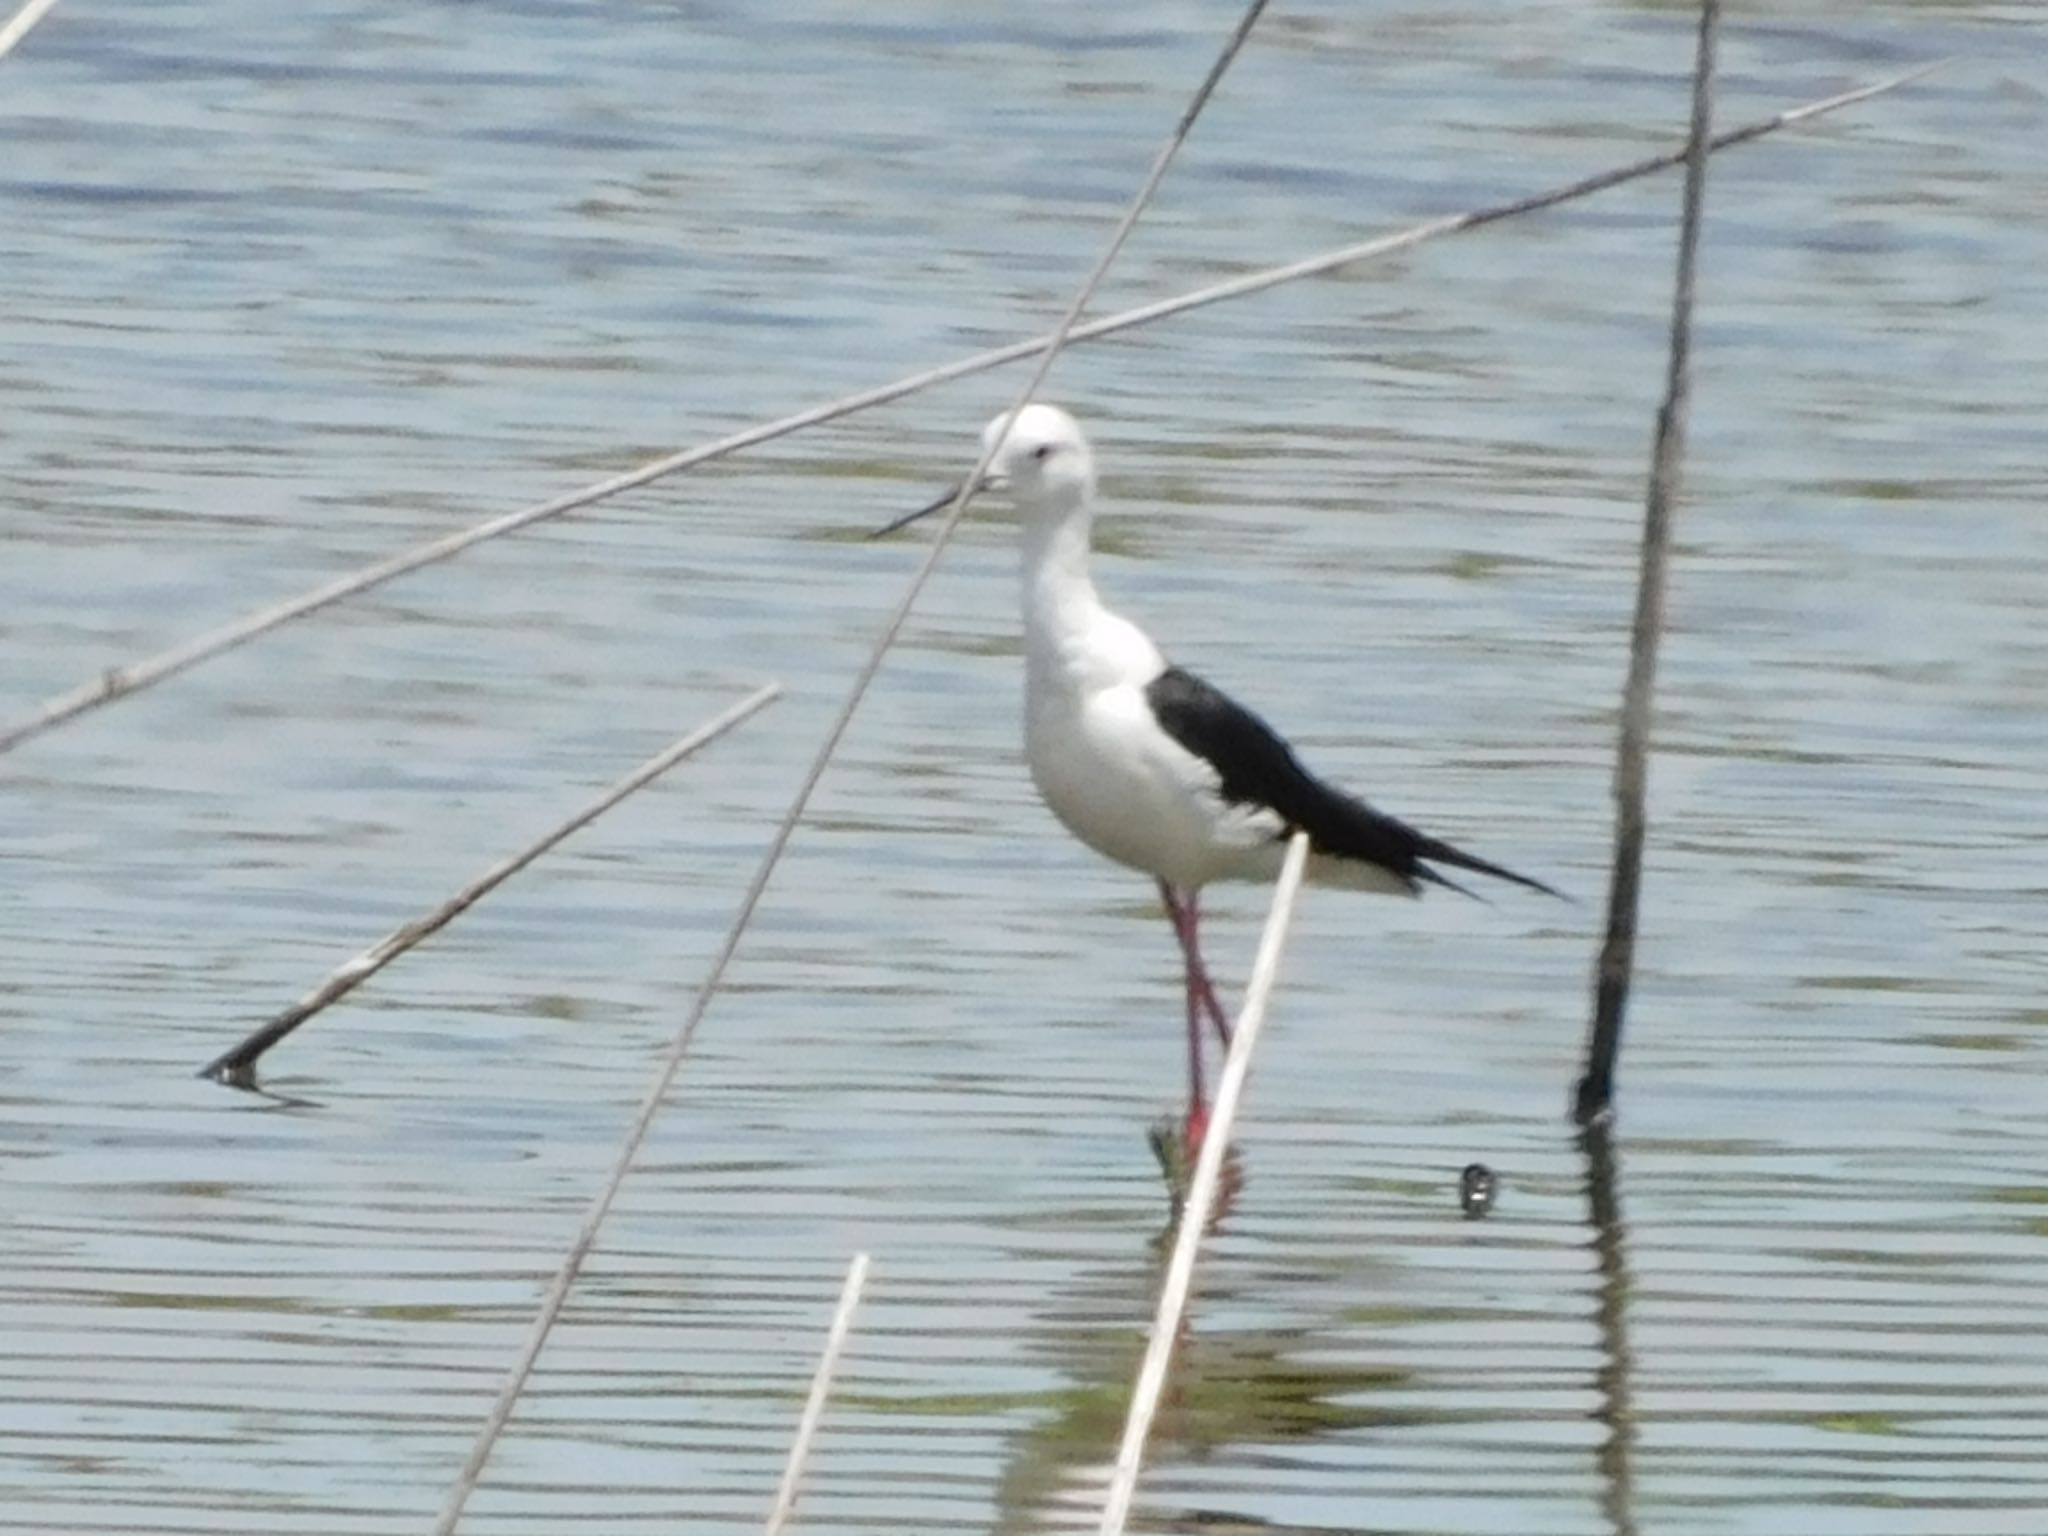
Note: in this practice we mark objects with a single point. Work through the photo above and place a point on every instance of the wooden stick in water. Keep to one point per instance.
(237, 1067)
(1194, 1216)
(1595, 1095)
(120, 681)
(814, 1405)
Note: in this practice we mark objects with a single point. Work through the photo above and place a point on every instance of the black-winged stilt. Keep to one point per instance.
(1151, 766)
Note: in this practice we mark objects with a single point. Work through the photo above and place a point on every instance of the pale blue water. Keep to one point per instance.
(284, 288)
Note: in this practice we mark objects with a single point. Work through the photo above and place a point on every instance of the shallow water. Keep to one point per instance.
(289, 287)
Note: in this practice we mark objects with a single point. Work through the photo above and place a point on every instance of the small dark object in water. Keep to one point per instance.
(1475, 1190)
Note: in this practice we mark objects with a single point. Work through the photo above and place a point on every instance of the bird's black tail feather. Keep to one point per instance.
(1346, 826)
(1255, 767)
(1443, 853)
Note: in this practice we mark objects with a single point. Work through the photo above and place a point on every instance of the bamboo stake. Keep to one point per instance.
(1194, 1216)
(119, 681)
(1595, 1094)
(22, 23)
(237, 1067)
(814, 1405)
(557, 1297)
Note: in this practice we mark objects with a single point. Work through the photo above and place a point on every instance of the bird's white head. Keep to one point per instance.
(1045, 463)
(1044, 466)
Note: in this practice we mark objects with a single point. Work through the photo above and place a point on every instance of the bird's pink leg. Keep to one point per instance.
(1177, 914)
(1185, 912)
(1198, 973)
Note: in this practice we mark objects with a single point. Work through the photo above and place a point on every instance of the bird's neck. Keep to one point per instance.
(1061, 608)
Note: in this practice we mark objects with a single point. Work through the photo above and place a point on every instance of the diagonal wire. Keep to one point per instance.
(21, 23)
(579, 1250)
(119, 681)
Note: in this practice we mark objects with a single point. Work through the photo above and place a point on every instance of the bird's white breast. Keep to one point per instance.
(1116, 780)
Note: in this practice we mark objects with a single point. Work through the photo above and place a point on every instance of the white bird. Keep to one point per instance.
(1148, 764)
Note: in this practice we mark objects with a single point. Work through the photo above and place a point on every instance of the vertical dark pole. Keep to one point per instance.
(1617, 954)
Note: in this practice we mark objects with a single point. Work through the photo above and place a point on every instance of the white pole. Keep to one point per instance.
(1194, 1216)
(821, 1387)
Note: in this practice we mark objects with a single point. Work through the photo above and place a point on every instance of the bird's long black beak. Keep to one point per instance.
(940, 505)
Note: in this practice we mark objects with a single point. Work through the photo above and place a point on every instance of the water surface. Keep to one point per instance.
(290, 287)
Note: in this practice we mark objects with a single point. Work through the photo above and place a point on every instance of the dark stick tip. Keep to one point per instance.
(233, 1070)
(1593, 1100)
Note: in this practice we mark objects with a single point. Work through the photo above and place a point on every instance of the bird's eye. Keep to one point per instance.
(1042, 452)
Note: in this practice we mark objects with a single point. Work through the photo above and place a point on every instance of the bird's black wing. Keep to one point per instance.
(1256, 767)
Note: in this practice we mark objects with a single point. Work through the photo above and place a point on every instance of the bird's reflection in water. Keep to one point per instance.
(1272, 1386)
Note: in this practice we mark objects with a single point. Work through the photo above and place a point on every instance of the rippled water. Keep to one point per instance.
(289, 287)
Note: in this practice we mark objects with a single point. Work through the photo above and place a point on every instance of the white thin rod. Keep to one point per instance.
(120, 681)
(238, 1065)
(21, 23)
(672, 1060)
(814, 1405)
(1194, 1216)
